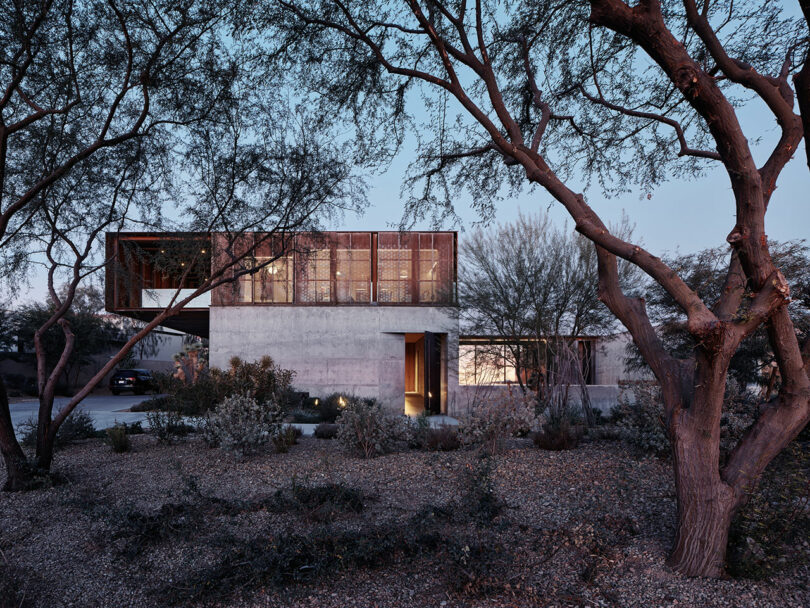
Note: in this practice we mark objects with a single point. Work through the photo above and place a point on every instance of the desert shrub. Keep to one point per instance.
(638, 416)
(118, 439)
(168, 426)
(477, 567)
(558, 433)
(442, 439)
(320, 503)
(240, 424)
(285, 437)
(304, 416)
(490, 423)
(365, 429)
(480, 499)
(770, 531)
(154, 404)
(77, 426)
(262, 380)
(332, 405)
(132, 428)
(326, 430)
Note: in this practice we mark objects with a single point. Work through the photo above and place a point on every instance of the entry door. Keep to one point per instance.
(433, 373)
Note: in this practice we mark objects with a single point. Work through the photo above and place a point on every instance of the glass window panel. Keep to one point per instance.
(316, 281)
(393, 269)
(273, 283)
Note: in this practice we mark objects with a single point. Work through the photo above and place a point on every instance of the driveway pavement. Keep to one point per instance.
(105, 410)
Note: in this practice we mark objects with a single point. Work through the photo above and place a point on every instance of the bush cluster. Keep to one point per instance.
(241, 424)
(262, 380)
(77, 426)
(490, 423)
(168, 426)
(365, 429)
(639, 418)
(118, 439)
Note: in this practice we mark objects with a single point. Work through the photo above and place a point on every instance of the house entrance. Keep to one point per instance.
(423, 373)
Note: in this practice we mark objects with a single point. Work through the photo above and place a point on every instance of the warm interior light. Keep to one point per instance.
(341, 402)
(202, 250)
(430, 395)
(182, 263)
(162, 251)
(338, 273)
(316, 402)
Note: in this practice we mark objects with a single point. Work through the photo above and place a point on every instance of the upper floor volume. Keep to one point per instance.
(146, 270)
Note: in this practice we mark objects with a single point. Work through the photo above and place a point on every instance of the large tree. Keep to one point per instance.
(542, 93)
(152, 115)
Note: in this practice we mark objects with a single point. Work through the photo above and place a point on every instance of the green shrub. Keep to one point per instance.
(262, 380)
(77, 426)
(558, 433)
(441, 439)
(161, 403)
(490, 423)
(639, 418)
(366, 430)
(326, 430)
(168, 426)
(331, 406)
(480, 498)
(118, 439)
(770, 531)
(285, 437)
(240, 424)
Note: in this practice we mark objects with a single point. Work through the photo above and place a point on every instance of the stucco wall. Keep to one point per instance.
(353, 349)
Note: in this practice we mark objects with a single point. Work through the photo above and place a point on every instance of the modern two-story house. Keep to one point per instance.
(365, 313)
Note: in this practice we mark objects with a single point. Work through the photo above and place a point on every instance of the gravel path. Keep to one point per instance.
(588, 527)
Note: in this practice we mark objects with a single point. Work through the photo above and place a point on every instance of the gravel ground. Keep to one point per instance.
(588, 527)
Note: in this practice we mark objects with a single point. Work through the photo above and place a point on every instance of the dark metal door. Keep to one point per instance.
(433, 373)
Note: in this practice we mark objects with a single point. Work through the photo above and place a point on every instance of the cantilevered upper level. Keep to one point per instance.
(148, 270)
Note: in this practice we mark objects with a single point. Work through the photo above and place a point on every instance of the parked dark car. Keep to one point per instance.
(139, 381)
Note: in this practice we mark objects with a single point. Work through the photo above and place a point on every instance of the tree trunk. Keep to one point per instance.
(18, 471)
(705, 502)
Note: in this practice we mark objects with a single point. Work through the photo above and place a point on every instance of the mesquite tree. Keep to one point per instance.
(552, 94)
(147, 114)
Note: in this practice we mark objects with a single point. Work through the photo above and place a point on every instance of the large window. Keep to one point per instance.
(483, 364)
(339, 268)
(394, 267)
(314, 280)
(353, 267)
(273, 282)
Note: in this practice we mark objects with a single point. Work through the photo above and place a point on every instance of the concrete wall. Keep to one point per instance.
(352, 349)
(609, 358)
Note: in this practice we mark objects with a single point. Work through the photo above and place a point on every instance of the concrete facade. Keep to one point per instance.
(357, 350)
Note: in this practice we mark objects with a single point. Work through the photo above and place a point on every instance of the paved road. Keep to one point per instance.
(105, 410)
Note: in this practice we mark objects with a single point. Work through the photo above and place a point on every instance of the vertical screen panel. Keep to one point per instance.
(353, 267)
(395, 267)
(313, 272)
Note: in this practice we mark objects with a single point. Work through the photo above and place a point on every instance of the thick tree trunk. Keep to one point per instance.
(18, 471)
(705, 509)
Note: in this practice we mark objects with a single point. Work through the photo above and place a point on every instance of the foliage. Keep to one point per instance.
(480, 499)
(366, 429)
(284, 437)
(558, 433)
(705, 272)
(638, 415)
(475, 567)
(331, 406)
(321, 502)
(97, 334)
(326, 430)
(77, 426)
(489, 423)
(261, 380)
(168, 426)
(191, 362)
(443, 438)
(242, 425)
(771, 530)
(153, 404)
(118, 439)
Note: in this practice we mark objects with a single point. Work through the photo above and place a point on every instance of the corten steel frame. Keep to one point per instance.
(124, 284)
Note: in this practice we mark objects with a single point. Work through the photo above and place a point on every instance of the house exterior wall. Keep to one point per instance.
(358, 350)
